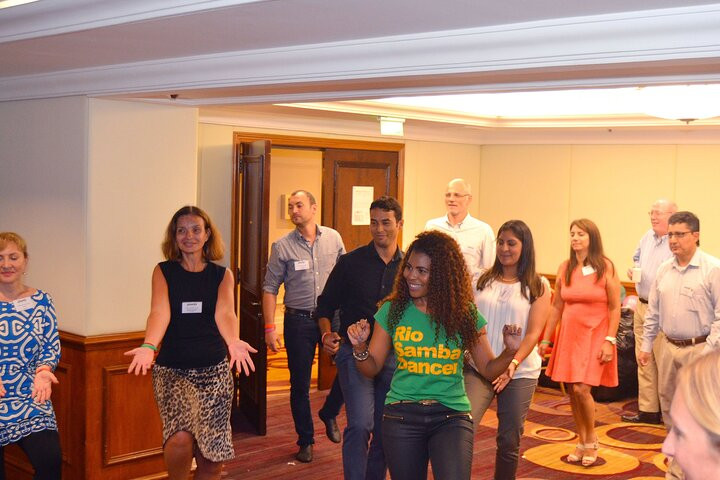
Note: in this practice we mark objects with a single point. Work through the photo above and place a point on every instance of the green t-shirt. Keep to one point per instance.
(426, 370)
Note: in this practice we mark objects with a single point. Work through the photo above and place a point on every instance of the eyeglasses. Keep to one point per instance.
(657, 213)
(456, 195)
(677, 234)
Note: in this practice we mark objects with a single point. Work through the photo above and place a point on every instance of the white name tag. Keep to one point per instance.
(23, 304)
(302, 265)
(588, 270)
(192, 307)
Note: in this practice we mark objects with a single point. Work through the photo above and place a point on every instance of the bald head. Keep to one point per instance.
(660, 212)
(457, 200)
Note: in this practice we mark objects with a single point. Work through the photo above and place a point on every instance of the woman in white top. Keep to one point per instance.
(510, 293)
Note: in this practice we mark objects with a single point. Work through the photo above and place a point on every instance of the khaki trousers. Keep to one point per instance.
(670, 359)
(648, 399)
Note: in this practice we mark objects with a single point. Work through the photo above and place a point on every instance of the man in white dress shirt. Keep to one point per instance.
(476, 238)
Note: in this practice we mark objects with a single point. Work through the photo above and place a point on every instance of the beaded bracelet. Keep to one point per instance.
(546, 342)
(150, 346)
(362, 356)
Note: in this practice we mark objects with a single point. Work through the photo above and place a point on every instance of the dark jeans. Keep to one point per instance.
(414, 433)
(363, 456)
(513, 404)
(43, 451)
(301, 338)
(333, 402)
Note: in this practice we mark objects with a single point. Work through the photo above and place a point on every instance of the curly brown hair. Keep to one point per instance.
(450, 298)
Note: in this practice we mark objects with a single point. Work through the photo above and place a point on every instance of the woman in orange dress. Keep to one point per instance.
(587, 303)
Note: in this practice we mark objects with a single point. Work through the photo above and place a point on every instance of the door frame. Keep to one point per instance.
(316, 143)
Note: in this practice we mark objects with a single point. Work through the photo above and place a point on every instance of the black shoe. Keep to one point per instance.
(644, 417)
(332, 430)
(304, 455)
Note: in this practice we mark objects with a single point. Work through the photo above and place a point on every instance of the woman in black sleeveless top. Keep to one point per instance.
(192, 315)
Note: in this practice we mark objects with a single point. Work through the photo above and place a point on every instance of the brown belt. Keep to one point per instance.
(643, 300)
(687, 342)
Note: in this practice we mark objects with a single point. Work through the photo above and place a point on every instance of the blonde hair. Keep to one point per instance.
(12, 237)
(214, 249)
(698, 382)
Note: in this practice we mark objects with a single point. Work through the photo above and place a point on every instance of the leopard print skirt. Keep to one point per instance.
(198, 401)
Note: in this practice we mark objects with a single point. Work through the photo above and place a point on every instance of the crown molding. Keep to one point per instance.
(66, 16)
(581, 47)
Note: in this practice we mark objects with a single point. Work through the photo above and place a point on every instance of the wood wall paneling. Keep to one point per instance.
(108, 421)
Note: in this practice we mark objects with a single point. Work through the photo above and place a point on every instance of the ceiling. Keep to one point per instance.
(232, 59)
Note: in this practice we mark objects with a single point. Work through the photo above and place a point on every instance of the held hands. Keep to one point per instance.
(272, 340)
(502, 381)
(359, 332)
(2, 390)
(512, 336)
(240, 356)
(42, 386)
(606, 354)
(542, 349)
(142, 360)
(331, 342)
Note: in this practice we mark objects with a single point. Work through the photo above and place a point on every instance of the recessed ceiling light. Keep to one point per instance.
(14, 3)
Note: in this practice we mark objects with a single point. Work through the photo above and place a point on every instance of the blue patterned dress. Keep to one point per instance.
(28, 338)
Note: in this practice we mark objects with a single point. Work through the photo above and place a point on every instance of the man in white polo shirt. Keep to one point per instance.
(476, 238)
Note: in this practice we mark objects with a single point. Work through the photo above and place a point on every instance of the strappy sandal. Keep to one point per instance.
(578, 454)
(589, 460)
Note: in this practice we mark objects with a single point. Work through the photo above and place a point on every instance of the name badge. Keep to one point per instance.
(588, 270)
(302, 265)
(21, 304)
(192, 307)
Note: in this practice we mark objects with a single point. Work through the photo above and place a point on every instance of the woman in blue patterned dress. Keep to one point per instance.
(29, 353)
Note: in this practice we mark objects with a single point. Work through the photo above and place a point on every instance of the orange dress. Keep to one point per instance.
(583, 328)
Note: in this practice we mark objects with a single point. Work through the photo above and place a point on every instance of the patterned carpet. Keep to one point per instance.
(627, 451)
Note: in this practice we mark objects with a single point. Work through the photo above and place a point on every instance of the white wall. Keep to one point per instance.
(429, 166)
(614, 185)
(43, 196)
(215, 174)
(142, 168)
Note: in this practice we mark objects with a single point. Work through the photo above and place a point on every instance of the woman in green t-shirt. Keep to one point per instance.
(429, 320)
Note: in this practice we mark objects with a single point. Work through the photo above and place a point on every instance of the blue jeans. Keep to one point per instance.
(513, 404)
(333, 402)
(364, 401)
(414, 433)
(301, 338)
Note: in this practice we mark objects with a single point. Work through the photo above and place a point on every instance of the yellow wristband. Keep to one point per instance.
(515, 362)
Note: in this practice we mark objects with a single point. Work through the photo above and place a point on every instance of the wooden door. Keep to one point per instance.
(250, 233)
(344, 169)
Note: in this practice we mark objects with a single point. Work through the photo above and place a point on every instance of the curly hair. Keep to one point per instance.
(450, 299)
(214, 248)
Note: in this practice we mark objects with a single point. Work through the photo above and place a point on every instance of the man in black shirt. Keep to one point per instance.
(358, 282)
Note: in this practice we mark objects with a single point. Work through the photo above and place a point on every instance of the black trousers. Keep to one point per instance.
(43, 451)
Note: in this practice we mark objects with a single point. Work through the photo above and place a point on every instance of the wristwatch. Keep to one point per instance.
(610, 339)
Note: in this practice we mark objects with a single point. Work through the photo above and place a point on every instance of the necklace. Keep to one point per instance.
(508, 280)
